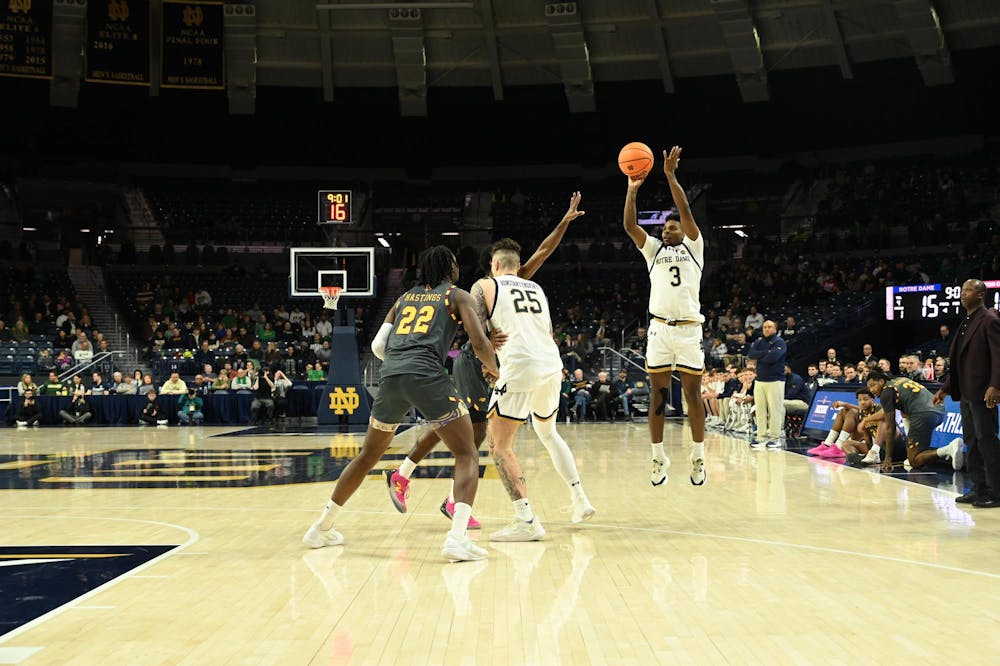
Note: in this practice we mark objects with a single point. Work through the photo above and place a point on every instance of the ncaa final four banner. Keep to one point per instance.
(192, 45)
(118, 42)
(26, 38)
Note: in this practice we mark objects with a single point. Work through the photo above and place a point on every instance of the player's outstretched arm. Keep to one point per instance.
(630, 217)
(474, 328)
(552, 241)
(670, 162)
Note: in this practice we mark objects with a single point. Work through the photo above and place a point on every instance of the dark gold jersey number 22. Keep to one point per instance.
(409, 313)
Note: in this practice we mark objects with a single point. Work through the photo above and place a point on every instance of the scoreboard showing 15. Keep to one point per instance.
(335, 207)
(932, 301)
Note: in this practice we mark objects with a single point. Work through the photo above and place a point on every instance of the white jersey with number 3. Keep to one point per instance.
(530, 355)
(675, 278)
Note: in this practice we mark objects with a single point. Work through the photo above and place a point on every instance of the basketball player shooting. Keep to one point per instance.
(675, 262)
(472, 386)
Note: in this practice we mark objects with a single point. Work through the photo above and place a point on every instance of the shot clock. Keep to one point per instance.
(335, 206)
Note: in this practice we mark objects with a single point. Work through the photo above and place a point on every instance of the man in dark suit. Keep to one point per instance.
(975, 382)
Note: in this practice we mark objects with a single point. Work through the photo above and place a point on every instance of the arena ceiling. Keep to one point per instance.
(497, 44)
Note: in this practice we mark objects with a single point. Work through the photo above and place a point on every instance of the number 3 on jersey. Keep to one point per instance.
(409, 313)
(675, 276)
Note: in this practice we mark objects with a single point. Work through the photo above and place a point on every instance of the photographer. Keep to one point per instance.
(30, 414)
(262, 407)
(78, 412)
(151, 413)
(189, 408)
(282, 384)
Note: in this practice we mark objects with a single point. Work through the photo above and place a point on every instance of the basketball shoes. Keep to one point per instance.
(658, 476)
(448, 509)
(462, 549)
(520, 531)
(399, 489)
(697, 472)
(318, 538)
(582, 508)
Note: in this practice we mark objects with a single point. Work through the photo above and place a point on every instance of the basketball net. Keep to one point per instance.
(330, 297)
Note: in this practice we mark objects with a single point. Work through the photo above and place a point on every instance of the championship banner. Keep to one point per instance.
(192, 46)
(118, 42)
(26, 38)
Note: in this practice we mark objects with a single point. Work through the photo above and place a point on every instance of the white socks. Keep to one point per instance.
(944, 451)
(843, 437)
(831, 437)
(698, 451)
(329, 515)
(460, 519)
(521, 510)
(658, 452)
(406, 468)
(451, 492)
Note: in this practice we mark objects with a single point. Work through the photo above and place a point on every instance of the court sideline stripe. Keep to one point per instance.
(193, 537)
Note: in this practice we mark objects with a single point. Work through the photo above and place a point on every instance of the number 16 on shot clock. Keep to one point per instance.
(335, 206)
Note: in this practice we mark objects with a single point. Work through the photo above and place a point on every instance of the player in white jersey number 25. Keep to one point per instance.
(529, 384)
(675, 263)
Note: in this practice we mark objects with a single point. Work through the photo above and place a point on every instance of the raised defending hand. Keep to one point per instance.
(938, 397)
(498, 338)
(572, 213)
(671, 161)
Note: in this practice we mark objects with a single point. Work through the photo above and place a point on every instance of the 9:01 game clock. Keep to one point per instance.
(335, 206)
(932, 301)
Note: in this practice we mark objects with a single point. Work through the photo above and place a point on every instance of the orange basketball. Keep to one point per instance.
(635, 159)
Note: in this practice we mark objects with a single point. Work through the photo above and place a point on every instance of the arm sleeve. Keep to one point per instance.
(380, 341)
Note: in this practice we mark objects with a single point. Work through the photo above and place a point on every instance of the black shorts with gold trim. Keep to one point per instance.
(472, 386)
(434, 397)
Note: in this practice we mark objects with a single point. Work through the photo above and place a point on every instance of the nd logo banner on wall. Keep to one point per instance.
(26, 38)
(192, 46)
(118, 42)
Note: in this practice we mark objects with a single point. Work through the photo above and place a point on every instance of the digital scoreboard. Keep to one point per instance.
(335, 206)
(932, 301)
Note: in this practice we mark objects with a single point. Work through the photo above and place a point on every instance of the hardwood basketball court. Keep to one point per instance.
(777, 559)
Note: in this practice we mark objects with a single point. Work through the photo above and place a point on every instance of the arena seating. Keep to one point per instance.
(29, 288)
(203, 211)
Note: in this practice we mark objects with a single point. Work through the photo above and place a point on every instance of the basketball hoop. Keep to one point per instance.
(330, 296)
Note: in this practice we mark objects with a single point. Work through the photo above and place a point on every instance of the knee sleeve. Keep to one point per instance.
(562, 457)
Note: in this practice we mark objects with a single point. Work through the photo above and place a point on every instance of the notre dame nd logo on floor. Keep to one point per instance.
(342, 402)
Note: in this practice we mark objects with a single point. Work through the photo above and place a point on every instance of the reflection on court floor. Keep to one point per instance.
(747, 569)
(206, 468)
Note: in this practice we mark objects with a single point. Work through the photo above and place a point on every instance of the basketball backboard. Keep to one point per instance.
(350, 268)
